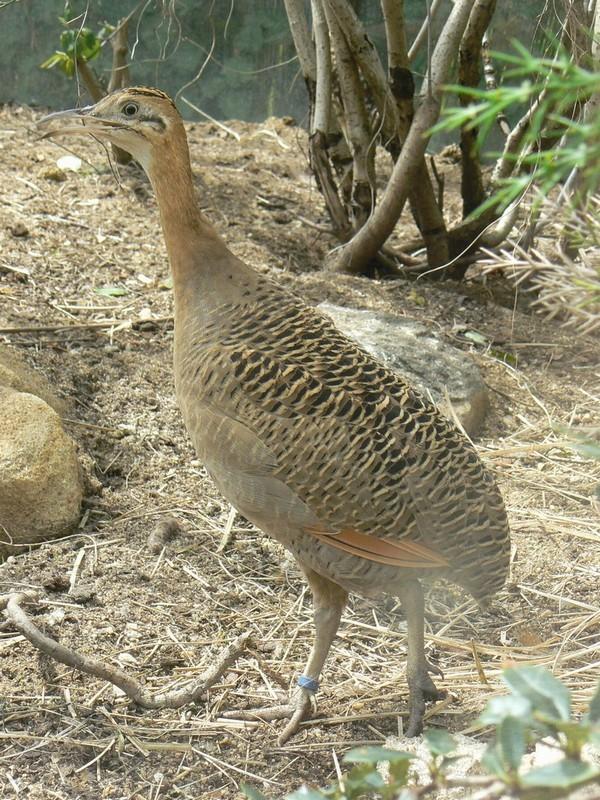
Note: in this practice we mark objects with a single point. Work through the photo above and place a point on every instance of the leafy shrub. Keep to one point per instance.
(537, 708)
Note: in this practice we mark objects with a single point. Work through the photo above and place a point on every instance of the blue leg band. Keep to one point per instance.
(310, 684)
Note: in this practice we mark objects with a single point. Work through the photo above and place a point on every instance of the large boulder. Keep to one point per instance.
(439, 370)
(17, 374)
(41, 485)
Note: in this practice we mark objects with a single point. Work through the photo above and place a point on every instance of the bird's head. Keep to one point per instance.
(140, 120)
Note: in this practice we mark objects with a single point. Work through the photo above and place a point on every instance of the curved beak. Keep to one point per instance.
(76, 121)
(73, 121)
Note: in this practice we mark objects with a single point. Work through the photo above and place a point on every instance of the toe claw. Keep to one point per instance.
(435, 669)
(295, 711)
(421, 689)
(291, 728)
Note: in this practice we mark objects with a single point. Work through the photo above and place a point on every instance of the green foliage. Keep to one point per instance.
(585, 442)
(78, 44)
(439, 742)
(538, 706)
(549, 89)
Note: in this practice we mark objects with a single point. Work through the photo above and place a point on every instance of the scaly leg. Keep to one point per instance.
(420, 685)
(329, 600)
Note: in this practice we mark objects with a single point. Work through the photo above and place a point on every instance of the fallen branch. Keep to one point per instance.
(176, 698)
(109, 323)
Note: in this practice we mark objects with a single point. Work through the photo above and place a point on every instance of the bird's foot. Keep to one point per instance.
(421, 689)
(299, 707)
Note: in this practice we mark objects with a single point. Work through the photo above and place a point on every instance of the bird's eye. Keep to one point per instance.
(130, 109)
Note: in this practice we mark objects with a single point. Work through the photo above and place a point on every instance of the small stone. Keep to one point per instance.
(19, 230)
(127, 659)
(53, 174)
(69, 163)
(55, 581)
(82, 593)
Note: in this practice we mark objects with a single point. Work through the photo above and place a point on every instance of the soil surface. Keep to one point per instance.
(85, 298)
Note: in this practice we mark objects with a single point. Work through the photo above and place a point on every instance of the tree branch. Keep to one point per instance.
(175, 698)
(119, 74)
(422, 34)
(302, 39)
(469, 74)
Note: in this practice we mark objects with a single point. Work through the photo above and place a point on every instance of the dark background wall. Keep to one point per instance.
(171, 39)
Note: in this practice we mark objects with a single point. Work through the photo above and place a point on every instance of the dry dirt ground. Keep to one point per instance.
(164, 617)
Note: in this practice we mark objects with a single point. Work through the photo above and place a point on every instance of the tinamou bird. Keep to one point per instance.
(319, 445)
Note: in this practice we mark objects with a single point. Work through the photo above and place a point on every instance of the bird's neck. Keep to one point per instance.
(193, 245)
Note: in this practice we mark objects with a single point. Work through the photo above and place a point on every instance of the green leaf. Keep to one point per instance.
(56, 58)
(306, 793)
(510, 705)
(372, 755)
(105, 31)
(439, 741)
(68, 67)
(511, 742)
(594, 737)
(399, 773)
(593, 714)
(543, 691)
(492, 761)
(363, 777)
(565, 774)
(476, 337)
(110, 291)
(67, 40)
(252, 793)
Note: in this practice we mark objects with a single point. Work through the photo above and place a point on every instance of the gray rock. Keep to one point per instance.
(440, 371)
(41, 484)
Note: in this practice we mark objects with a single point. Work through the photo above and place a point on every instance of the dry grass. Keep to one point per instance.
(565, 287)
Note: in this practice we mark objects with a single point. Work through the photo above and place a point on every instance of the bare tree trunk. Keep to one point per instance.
(489, 76)
(118, 79)
(356, 120)
(319, 140)
(469, 74)
(91, 82)
(302, 42)
(425, 209)
(367, 59)
(400, 77)
(119, 75)
(355, 256)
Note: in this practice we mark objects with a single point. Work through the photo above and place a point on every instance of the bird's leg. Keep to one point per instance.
(420, 685)
(329, 600)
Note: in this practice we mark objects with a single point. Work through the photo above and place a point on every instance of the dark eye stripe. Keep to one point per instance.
(153, 120)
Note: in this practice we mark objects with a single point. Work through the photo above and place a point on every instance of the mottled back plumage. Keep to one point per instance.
(333, 440)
